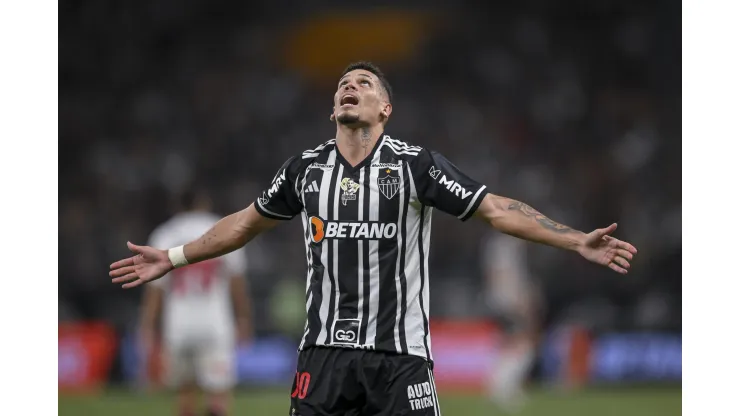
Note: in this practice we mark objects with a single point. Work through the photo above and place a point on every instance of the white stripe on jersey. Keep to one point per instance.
(414, 324)
(335, 257)
(402, 145)
(374, 261)
(426, 234)
(315, 152)
(325, 284)
(360, 249)
(305, 328)
(309, 271)
(304, 219)
(397, 150)
(401, 193)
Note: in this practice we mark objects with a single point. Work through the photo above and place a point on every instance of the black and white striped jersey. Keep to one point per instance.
(367, 232)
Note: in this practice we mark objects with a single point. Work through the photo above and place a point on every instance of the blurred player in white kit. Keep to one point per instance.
(204, 311)
(515, 301)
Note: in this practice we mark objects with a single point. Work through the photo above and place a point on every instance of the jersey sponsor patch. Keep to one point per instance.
(359, 230)
(346, 331)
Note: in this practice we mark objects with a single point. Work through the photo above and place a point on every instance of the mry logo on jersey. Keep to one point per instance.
(451, 185)
(276, 182)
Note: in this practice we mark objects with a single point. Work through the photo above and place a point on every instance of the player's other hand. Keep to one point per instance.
(599, 247)
(148, 264)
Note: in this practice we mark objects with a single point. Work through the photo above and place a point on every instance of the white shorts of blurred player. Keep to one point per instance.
(208, 364)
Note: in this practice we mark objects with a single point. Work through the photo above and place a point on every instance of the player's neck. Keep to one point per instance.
(355, 144)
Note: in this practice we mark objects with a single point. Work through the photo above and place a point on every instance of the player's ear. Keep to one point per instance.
(387, 110)
(331, 117)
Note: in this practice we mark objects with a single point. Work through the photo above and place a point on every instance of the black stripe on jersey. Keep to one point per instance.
(331, 214)
(423, 279)
(347, 280)
(402, 272)
(348, 260)
(317, 274)
(365, 262)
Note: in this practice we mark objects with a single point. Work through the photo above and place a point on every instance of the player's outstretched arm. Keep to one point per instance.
(229, 234)
(520, 220)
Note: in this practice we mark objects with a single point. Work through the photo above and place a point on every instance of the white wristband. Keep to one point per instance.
(177, 256)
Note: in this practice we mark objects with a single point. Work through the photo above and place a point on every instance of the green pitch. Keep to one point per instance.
(596, 402)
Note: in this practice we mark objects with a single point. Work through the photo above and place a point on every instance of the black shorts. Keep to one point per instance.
(342, 381)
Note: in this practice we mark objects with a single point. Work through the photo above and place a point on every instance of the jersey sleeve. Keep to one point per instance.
(280, 200)
(440, 184)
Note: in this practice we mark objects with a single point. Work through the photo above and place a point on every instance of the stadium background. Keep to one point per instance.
(572, 106)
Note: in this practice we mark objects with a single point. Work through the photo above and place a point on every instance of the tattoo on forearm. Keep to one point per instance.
(210, 235)
(543, 220)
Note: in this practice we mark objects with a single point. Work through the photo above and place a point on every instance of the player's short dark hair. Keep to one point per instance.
(372, 68)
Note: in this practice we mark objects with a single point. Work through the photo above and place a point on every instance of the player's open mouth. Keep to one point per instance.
(349, 100)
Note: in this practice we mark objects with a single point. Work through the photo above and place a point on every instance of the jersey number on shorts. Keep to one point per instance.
(195, 279)
(301, 385)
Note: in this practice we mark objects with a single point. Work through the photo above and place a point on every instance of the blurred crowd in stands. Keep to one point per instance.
(573, 107)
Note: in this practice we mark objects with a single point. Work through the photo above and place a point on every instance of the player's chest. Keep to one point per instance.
(336, 191)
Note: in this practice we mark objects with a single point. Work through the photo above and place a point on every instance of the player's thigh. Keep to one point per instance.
(409, 390)
(179, 364)
(216, 366)
(325, 383)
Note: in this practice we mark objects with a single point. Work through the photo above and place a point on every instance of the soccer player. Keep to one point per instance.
(366, 201)
(514, 300)
(203, 310)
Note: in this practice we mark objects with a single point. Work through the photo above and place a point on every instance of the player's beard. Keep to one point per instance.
(347, 118)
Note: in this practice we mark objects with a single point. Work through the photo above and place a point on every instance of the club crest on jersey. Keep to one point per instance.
(349, 190)
(388, 185)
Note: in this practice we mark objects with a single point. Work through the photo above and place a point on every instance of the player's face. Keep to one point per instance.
(360, 100)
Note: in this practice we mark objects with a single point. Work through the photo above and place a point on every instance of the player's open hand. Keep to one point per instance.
(148, 264)
(599, 247)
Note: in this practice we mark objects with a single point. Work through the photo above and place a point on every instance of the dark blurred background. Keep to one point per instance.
(573, 106)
